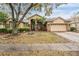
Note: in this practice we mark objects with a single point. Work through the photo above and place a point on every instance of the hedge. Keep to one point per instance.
(5, 31)
(72, 29)
(10, 31)
(23, 30)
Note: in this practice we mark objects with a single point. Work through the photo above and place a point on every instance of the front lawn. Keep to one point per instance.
(35, 37)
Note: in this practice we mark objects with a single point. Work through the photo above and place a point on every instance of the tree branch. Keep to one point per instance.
(12, 10)
(25, 13)
(18, 12)
(19, 8)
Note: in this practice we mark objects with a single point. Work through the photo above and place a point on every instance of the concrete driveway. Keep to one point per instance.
(69, 35)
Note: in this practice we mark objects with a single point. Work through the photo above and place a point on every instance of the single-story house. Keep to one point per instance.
(75, 22)
(34, 24)
(58, 24)
(8, 24)
(55, 24)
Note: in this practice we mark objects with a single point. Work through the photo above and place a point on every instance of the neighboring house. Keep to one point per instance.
(22, 25)
(2, 25)
(75, 22)
(58, 24)
(8, 25)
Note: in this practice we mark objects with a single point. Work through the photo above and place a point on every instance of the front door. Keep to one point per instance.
(36, 25)
(39, 26)
(33, 25)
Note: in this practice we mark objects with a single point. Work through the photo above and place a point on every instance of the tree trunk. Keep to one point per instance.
(14, 23)
(15, 29)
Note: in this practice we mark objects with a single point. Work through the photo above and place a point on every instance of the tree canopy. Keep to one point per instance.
(19, 11)
(3, 16)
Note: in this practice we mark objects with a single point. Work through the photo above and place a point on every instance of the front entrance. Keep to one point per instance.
(36, 25)
(39, 25)
(33, 25)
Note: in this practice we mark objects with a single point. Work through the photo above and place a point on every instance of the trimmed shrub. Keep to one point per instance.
(23, 30)
(5, 31)
(73, 29)
(10, 31)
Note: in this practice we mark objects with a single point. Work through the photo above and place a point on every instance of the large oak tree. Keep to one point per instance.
(20, 10)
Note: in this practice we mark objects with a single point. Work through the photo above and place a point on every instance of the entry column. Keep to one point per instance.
(36, 25)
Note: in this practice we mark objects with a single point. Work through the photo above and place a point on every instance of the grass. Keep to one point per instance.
(36, 37)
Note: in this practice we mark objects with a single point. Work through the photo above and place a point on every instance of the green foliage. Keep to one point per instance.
(42, 19)
(3, 16)
(10, 31)
(5, 31)
(72, 29)
(23, 29)
(47, 7)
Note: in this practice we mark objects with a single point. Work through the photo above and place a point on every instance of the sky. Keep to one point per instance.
(65, 11)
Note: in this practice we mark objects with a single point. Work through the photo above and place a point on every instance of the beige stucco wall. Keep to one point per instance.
(2, 26)
(57, 25)
(72, 25)
(21, 25)
(78, 26)
(48, 27)
(58, 21)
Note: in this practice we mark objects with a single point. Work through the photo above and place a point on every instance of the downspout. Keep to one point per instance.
(75, 24)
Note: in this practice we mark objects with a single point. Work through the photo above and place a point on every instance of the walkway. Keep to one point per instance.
(30, 47)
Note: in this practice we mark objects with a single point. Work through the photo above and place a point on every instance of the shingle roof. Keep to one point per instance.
(52, 19)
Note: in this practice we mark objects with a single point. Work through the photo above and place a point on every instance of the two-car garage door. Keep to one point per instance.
(58, 28)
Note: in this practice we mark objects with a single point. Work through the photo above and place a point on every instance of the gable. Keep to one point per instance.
(58, 21)
(35, 17)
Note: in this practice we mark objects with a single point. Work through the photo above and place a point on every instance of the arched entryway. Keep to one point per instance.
(36, 25)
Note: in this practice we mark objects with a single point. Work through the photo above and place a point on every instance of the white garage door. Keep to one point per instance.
(58, 28)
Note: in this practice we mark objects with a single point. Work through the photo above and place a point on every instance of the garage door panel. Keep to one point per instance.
(58, 27)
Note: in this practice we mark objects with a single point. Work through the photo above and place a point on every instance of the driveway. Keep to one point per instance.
(69, 35)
